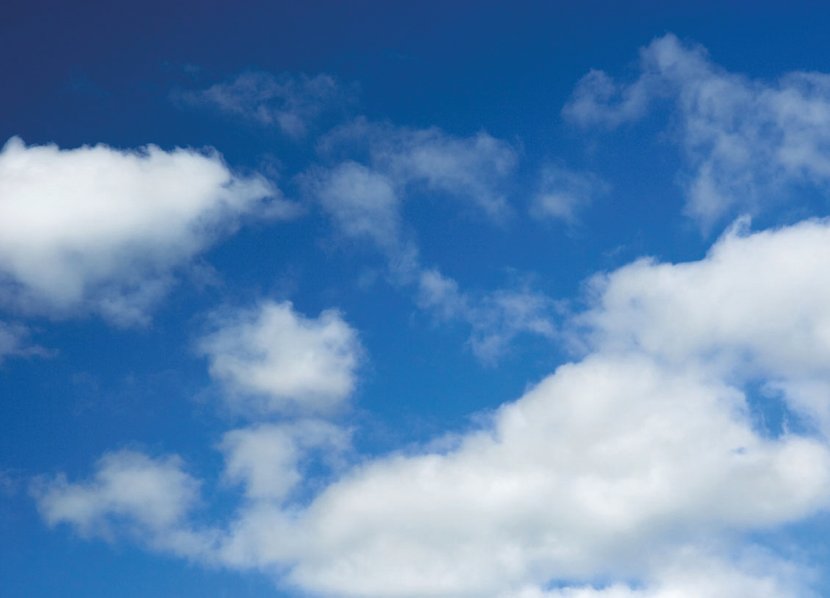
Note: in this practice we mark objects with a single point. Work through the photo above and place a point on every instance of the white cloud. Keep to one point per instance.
(273, 359)
(365, 202)
(266, 459)
(291, 104)
(95, 229)
(700, 576)
(362, 203)
(128, 488)
(496, 318)
(754, 308)
(747, 143)
(637, 471)
(563, 193)
(600, 466)
(429, 161)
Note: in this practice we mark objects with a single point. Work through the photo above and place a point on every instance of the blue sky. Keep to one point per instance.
(408, 299)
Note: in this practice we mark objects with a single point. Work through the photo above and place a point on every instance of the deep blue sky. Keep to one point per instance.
(114, 73)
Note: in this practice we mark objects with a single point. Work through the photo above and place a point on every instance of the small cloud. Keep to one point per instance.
(563, 193)
(272, 359)
(291, 104)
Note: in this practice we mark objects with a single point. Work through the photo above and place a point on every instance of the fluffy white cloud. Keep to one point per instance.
(748, 143)
(754, 308)
(266, 459)
(604, 468)
(640, 465)
(128, 488)
(273, 359)
(290, 103)
(95, 229)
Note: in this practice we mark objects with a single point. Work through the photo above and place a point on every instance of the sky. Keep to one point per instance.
(386, 299)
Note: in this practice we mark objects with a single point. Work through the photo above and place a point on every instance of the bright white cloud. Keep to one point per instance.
(754, 308)
(291, 104)
(273, 359)
(639, 464)
(748, 143)
(95, 229)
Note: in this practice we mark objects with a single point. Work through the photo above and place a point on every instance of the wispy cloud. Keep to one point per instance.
(291, 104)
(747, 142)
(365, 200)
(563, 193)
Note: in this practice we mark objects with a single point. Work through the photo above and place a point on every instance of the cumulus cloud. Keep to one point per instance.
(748, 143)
(754, 309)
(272, 359)
(266, 459)
(637, 471)
(292, 104)
(96, 229)
(128, 488)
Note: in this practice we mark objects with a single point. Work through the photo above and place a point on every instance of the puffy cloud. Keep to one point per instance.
(689, 574)
(273, 359)
(266, 459)
(754, 308)
(748, 143)
(291, 104)
(128, 488)
(603, 463)
(95, 229)
(637, 471)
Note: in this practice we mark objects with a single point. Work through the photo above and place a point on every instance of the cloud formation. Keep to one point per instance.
(100, 230)
(365, 201)
(291, 104)
(563, 193)
(748, 144)
(641, 464)
(271, 359)
(14, 342)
